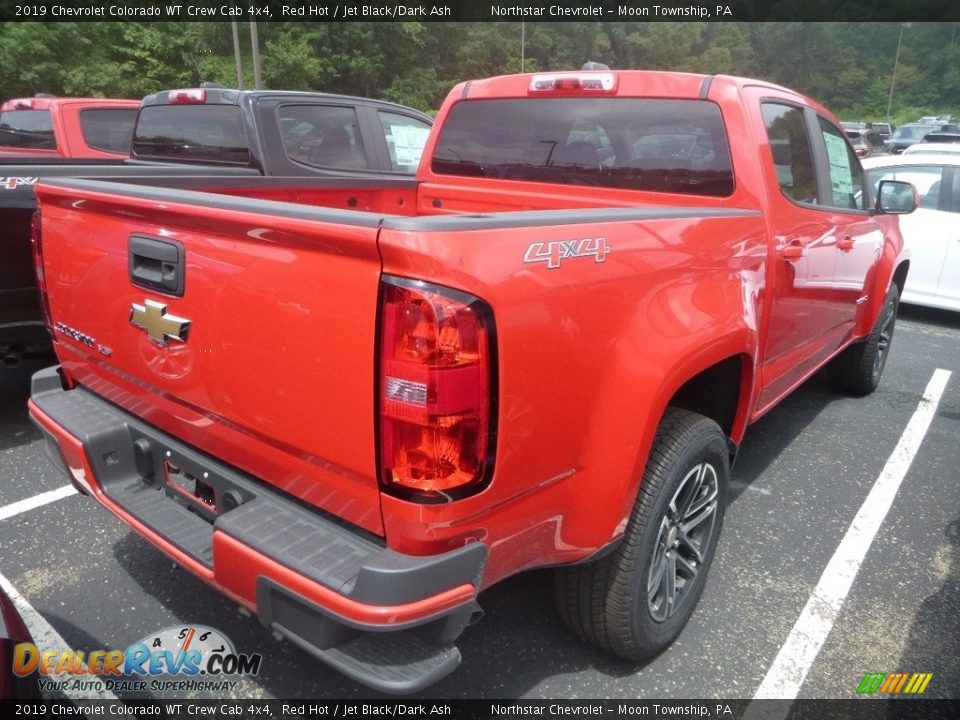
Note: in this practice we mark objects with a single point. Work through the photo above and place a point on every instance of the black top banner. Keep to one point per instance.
(481, 10)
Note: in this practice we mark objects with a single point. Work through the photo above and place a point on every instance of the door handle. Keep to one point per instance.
(157, 264)
(793, 251)
(846, 244)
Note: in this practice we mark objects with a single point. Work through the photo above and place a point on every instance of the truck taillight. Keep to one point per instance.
(36, 243)
(436, 391)
(188, 96)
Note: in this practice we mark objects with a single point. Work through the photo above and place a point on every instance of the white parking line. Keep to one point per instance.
(46, 638)
(17, 508)
(790, 668)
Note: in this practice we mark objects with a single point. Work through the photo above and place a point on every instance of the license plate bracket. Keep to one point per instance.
(189, 485)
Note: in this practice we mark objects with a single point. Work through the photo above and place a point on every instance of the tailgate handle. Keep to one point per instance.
(157, 264)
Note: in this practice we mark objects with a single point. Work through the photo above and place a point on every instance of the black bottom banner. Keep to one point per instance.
(858, 709)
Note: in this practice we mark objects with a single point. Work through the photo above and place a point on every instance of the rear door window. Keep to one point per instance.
(326, 136)
(405, 137)
(846, 175)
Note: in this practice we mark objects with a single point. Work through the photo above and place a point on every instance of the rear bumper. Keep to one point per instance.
(385, 619)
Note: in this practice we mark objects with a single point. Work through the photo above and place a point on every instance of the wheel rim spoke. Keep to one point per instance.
(688, 568)
(690, 488)
(693, 520)
(659, 564)
(690, 547)
(670, 592)
(884, 339)
(681, 545)
(657, 578)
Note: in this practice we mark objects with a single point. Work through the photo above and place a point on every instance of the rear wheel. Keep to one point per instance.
(635, 601)
(858, 369)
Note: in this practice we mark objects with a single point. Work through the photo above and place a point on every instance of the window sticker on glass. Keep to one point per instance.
(408, 143)
(840, 175)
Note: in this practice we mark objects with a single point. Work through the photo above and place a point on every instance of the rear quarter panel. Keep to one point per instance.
(589, 354)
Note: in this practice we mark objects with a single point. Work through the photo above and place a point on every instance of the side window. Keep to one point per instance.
(927, 179)
(323, 135)
(792, 155)
(846, 177)
(406, 137)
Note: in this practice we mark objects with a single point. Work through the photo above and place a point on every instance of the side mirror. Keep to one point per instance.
(896, 197)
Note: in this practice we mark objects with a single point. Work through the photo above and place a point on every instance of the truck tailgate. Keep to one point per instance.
(244, 327)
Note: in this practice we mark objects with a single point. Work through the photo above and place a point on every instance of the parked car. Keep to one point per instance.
(864, 142)
(882, 129)
(941, 137)
(932, 232)
(927, 146)
(906, 135)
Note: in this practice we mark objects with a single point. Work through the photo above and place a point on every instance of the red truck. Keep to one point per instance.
(67, 127)
(353, 407)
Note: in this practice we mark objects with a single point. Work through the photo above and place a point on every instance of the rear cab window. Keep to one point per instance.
(657, 145)
(206, 133)
(27, 129)
(108, 129)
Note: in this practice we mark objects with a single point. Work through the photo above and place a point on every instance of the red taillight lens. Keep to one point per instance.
(436, 403)
(36, 243)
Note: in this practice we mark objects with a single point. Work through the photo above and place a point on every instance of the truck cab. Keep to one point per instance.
(67, 127)
(287, 133)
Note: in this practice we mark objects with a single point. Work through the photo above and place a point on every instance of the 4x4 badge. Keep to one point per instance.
(152, 317)
(554, 252)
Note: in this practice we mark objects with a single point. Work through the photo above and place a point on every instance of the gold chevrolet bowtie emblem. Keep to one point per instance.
(152, 317)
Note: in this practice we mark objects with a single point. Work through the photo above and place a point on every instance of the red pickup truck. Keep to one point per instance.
(67, 127)
(353, 407)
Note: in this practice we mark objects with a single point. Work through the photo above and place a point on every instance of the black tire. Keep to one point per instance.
(857, 370)
(619, 602)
